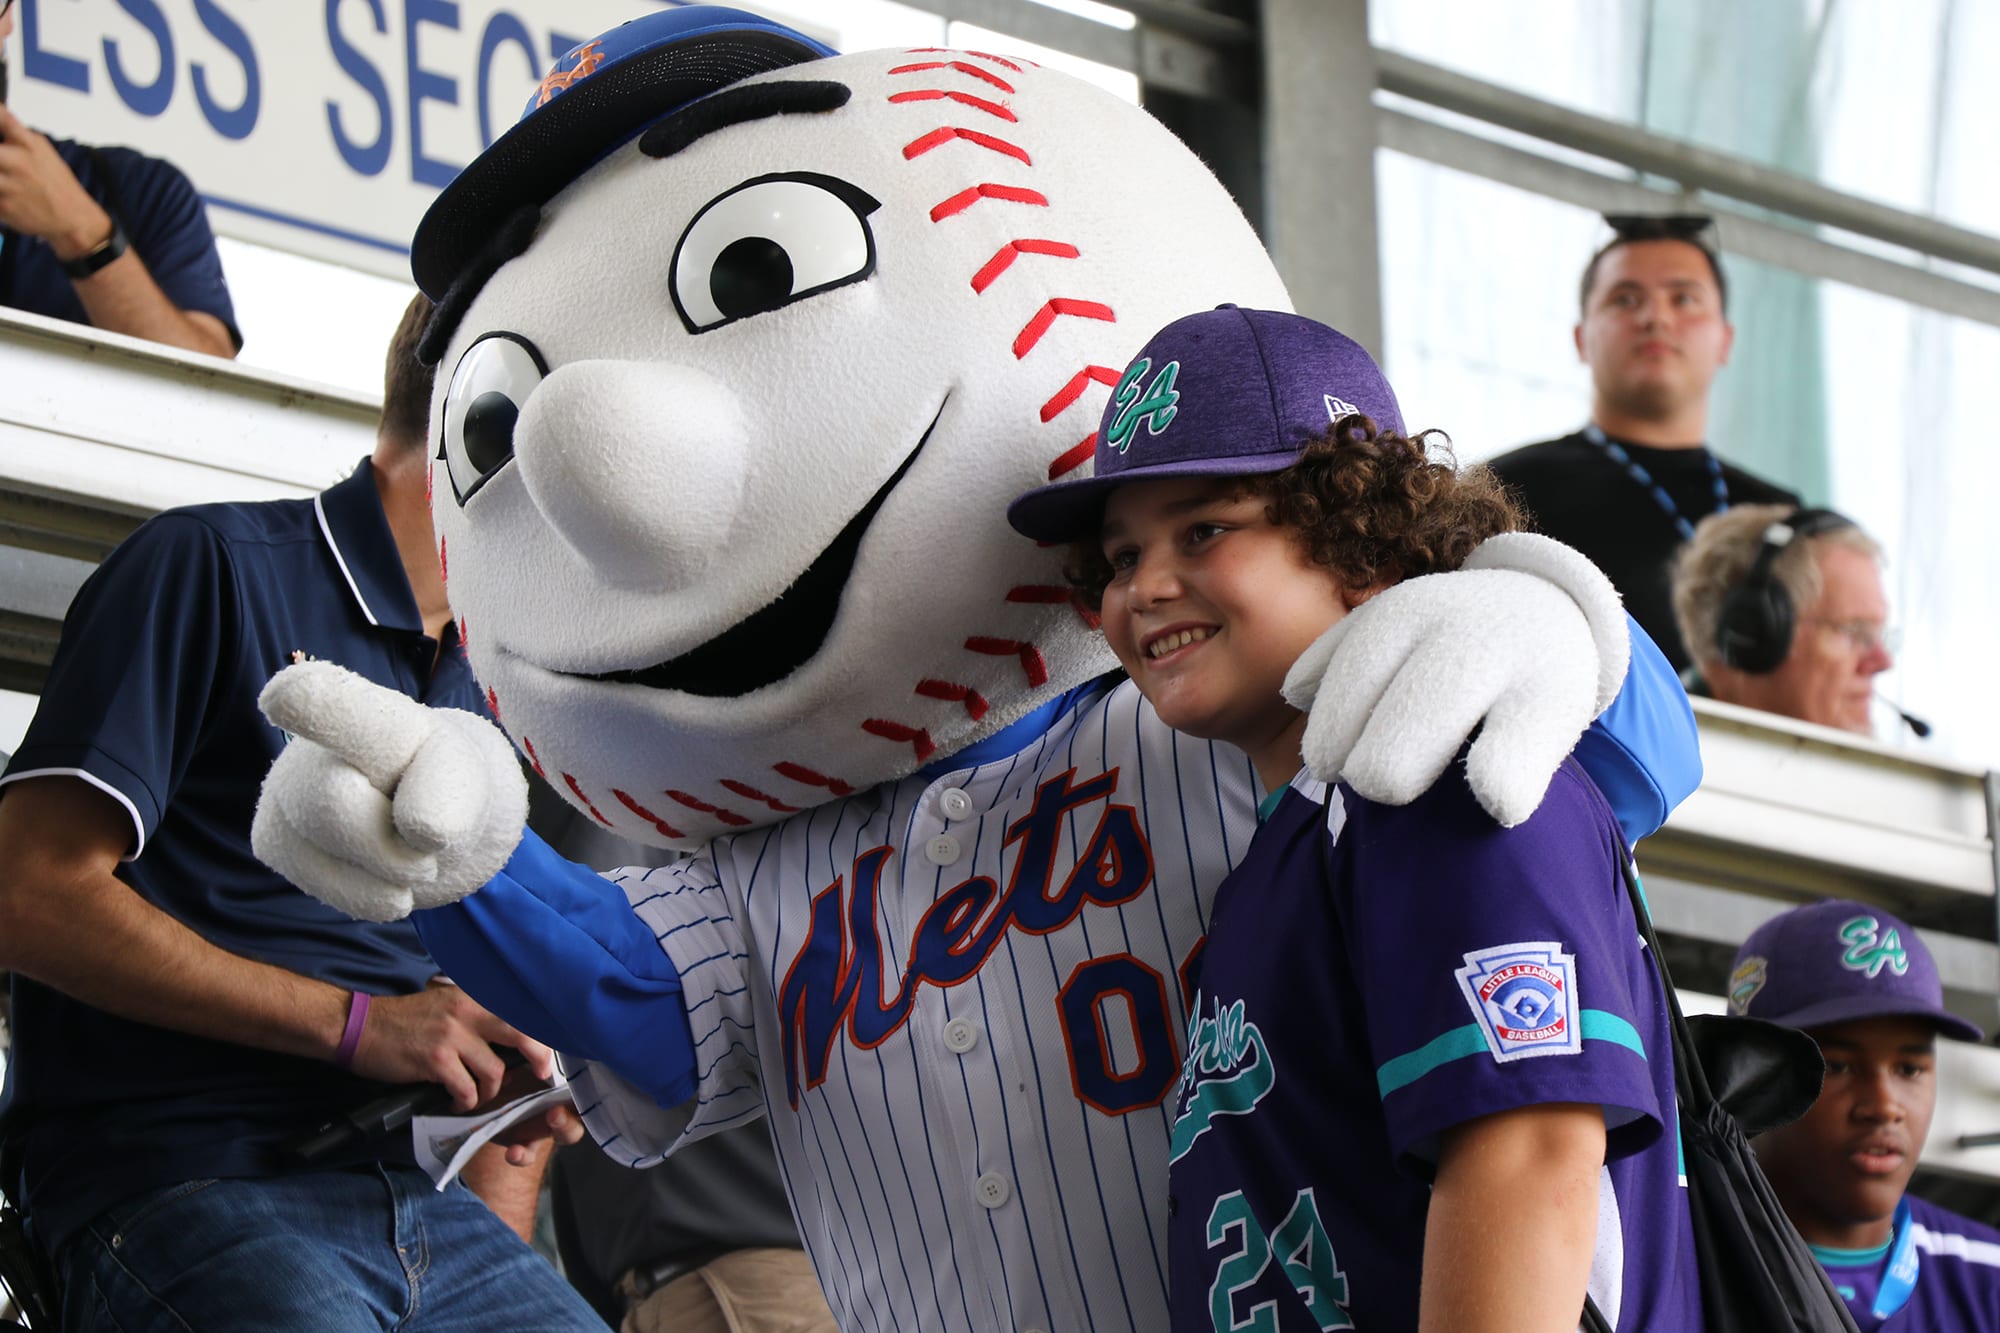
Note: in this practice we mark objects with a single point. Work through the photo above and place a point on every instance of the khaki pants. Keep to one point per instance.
(744, 1291)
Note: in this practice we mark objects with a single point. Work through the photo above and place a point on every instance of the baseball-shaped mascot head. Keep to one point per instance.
(743, 349)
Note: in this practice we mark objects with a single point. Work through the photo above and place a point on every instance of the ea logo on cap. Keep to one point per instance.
(1869, 951)
(1156, 407)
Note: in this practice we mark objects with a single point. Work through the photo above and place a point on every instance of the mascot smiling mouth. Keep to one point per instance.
(777, 640)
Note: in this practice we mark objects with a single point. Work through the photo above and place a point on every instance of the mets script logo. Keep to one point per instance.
(1155, 407)
(1744, 983)
(1869, 951)
(569, 71)
(1227, 1072)
(836, 980)
(1523, 996)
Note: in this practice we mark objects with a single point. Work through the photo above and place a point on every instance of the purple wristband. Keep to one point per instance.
(350, 1038)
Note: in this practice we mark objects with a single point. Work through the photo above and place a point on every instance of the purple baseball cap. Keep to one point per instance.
(1225, 393)
(1836, 961)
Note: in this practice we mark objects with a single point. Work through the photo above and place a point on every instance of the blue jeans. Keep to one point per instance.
(372, 1247)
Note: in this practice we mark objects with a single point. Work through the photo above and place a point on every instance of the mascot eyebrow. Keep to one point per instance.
(718, 111)
(734, 106)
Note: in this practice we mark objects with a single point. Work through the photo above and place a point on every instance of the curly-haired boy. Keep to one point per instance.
(1428, 1080)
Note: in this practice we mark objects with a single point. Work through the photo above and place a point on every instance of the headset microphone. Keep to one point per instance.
(1910, 720)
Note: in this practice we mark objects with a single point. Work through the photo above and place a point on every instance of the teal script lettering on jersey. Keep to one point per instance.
(1870, 953)
(1227, 1072)
(1155, 407)
(835, 981)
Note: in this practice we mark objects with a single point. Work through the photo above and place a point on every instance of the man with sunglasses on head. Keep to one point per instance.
(1628, 488)
(107, 237)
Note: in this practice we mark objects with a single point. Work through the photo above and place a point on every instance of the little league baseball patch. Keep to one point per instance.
(1523, 997)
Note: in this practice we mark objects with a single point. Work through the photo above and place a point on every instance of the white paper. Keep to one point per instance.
(445, 1143)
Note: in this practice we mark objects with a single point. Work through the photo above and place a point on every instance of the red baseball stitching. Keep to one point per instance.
(1003, 258)
(594, 812)
(945, 134)
(981, 55)
(975, 703)
(647, 815)
(919, 739)
(1031, 658)
(1073, 390)
(963, 99)
(493, 703)
(964, 199)
(729, 817)
(444, 567)
(1032, 664)
(529, 746)
(745, 789)
(799, 773)
(1052, 310)
(1074, 457)
(962, 67)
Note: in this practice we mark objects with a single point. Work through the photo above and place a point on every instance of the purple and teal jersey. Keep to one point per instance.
(1374, 976)
(1938, 1271)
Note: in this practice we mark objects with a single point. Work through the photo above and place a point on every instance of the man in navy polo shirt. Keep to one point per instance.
(182, 1013)
(107, 237)
(1864, 986)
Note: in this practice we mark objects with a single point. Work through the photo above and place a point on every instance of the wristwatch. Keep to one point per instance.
(114, 245)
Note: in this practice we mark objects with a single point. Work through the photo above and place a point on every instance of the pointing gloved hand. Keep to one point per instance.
(380, 805)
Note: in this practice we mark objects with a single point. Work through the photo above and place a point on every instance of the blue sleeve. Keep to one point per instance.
(555, 949)
(1644, 753)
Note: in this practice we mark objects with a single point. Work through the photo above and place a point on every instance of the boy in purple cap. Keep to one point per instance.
(1864, 986)
(1427, 1081)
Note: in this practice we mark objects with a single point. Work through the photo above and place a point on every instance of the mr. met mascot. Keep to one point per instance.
(743, 349)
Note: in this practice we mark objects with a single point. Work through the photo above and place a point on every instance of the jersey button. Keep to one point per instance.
(942, 850)
(992, 1189)
(961, 1035)
(955, 803)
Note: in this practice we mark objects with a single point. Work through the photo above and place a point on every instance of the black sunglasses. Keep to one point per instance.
(1694, 228)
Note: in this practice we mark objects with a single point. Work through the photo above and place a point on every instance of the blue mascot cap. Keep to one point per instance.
(598, 96)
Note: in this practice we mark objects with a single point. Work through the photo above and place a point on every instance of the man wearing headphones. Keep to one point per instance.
(1782, 609)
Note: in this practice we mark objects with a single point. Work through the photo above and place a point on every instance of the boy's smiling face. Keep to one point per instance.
(1208, 607)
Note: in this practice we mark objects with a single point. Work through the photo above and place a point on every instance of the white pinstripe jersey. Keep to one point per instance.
(960, 1001)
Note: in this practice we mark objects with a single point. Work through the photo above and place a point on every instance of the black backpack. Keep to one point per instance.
(1736, 1078)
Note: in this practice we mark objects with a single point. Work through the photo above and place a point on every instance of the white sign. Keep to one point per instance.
(324, 127)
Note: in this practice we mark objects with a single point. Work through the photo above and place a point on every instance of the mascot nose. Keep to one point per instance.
(638, 466)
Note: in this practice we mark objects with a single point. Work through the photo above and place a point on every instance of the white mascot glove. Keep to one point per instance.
(380, 806)
(1527, 635)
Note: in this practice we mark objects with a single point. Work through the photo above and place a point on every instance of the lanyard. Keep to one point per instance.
(1616, 453)
(1899, 1278)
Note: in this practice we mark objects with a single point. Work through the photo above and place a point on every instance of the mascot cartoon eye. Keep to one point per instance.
(769, 242)
(492, 381)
